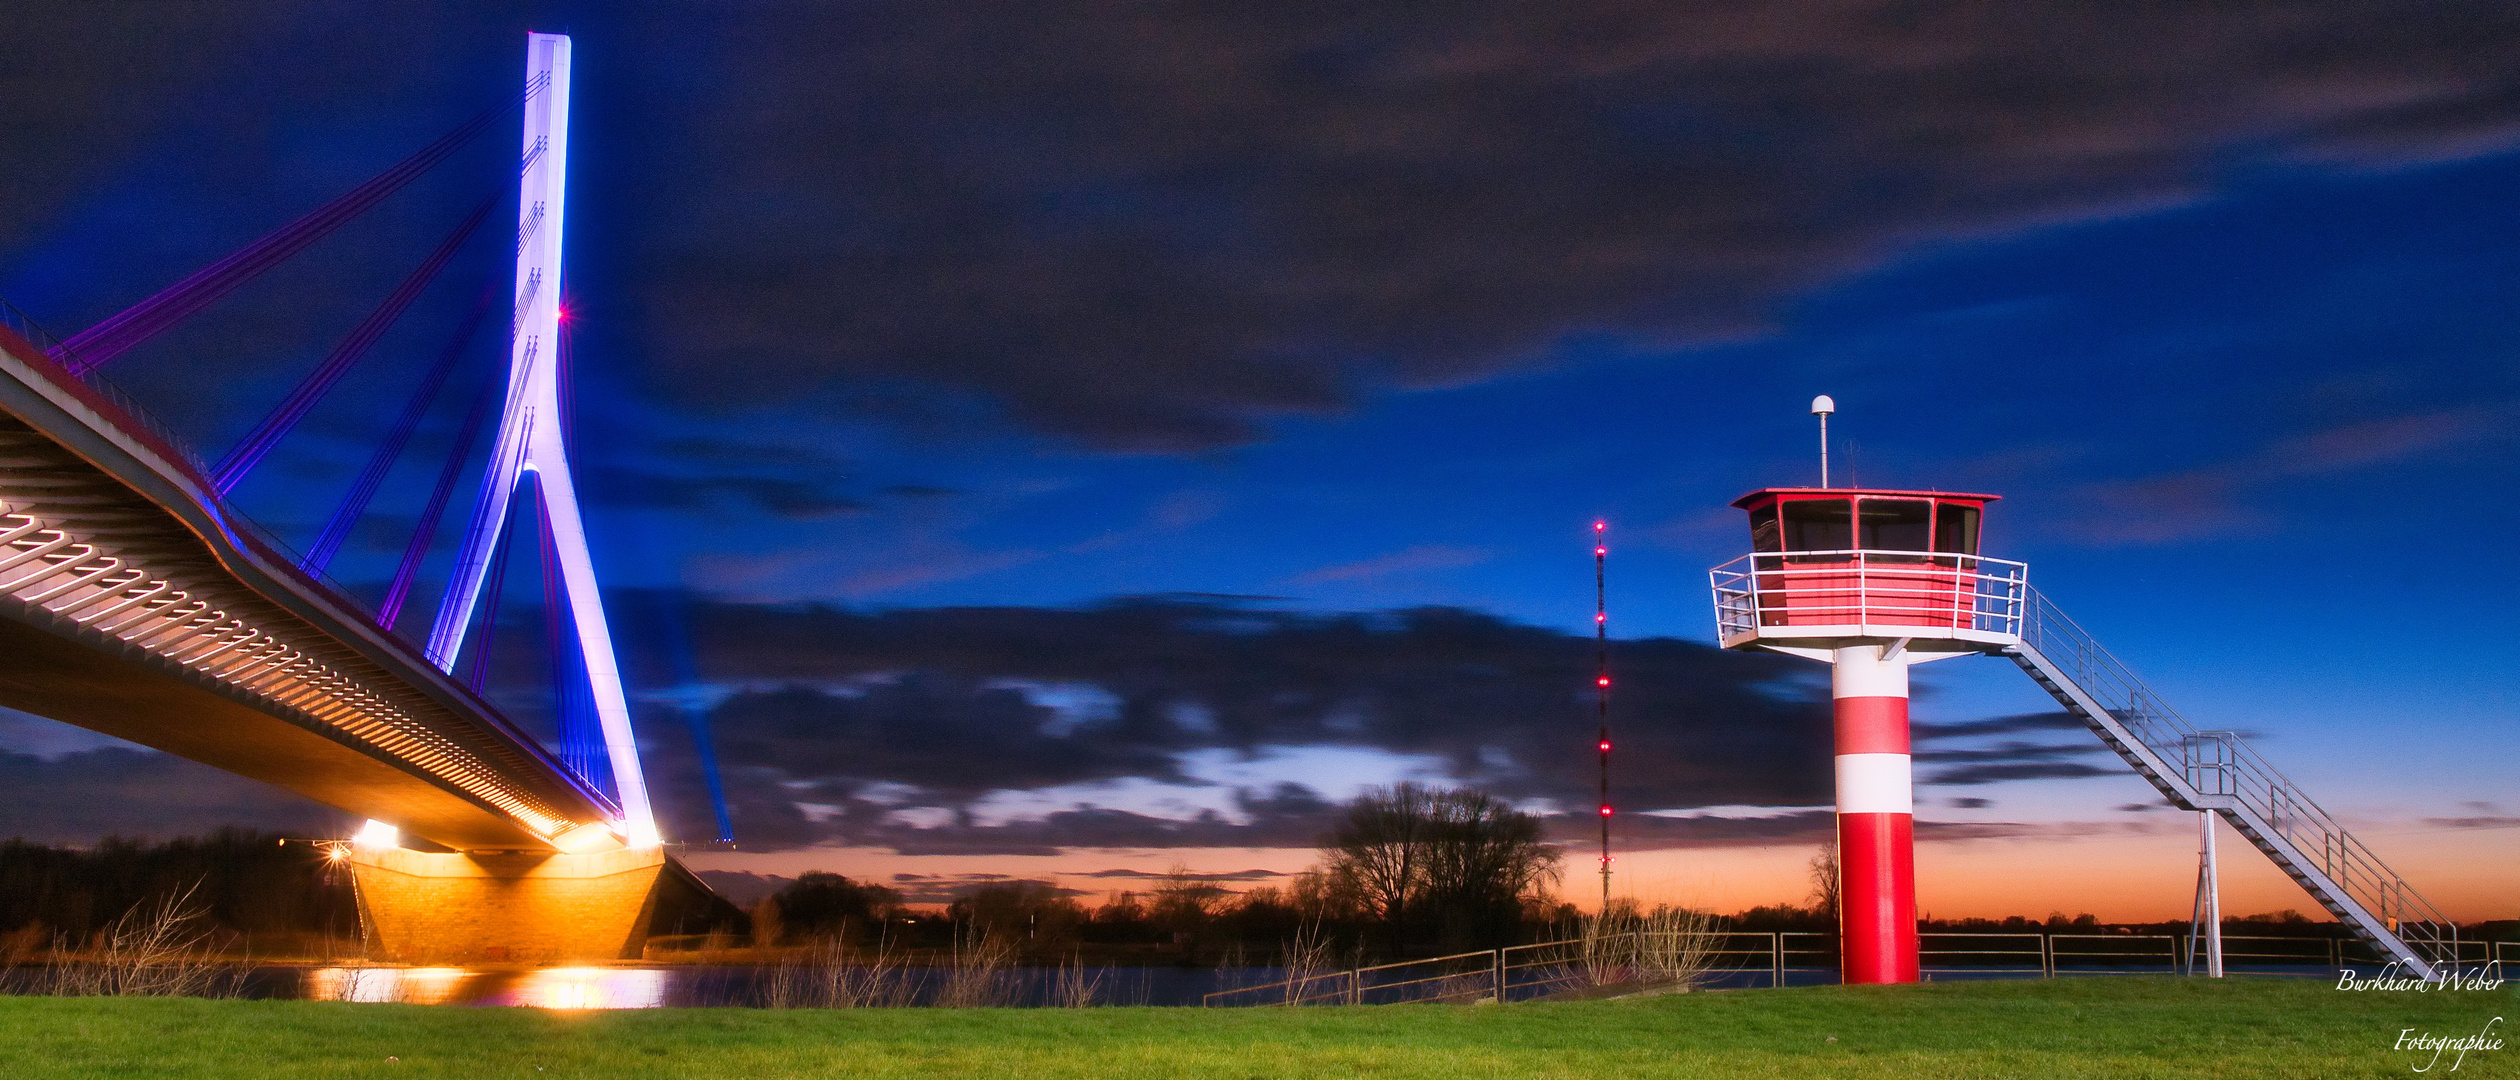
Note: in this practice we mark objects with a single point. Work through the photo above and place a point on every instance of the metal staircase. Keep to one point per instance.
(2214, 770)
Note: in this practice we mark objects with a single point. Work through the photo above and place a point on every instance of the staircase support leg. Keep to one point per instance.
(2209, 894)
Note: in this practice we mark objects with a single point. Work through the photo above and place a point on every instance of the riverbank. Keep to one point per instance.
(2096, 1027)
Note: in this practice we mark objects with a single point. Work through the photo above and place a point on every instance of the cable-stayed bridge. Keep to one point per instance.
(137, 601)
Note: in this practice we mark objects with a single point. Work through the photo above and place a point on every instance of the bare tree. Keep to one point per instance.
(1825, 880)
(1410, 855)
(1484, 858)
(1378, 850)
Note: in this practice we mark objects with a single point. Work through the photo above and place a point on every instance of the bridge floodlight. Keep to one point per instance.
(377, 834)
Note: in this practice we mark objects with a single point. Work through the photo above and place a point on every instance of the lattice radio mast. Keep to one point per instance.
(1601, 689)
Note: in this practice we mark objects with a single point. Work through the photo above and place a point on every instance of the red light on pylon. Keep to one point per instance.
(1605, 747)
(1604, 680)
(1605, 811)
(1600, 525)
(1601, 551)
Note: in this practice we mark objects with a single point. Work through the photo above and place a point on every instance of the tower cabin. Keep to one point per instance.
(1839, 563)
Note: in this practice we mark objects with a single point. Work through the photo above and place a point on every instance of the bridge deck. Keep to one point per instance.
(134, 603)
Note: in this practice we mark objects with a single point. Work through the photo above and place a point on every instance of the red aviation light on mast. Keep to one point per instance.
(1601, 685)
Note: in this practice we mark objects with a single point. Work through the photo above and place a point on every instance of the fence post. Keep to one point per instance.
(1356, 992)
(1776, 945)
(2047, 955)
(1500, 976)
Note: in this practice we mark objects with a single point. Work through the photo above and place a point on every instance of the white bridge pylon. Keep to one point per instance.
(530, 428)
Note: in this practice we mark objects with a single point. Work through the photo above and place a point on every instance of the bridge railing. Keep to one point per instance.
(124, 410)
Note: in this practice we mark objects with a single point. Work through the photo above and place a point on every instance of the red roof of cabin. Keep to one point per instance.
(1745, 501)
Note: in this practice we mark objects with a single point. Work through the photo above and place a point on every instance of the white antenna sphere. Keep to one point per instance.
(1822, 406)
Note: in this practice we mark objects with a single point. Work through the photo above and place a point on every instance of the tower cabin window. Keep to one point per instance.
(1894, 525)
(1763, 529)
(1956, 529)
(1819, 525)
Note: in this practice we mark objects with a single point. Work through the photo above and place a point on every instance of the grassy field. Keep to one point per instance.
(2068, 1028)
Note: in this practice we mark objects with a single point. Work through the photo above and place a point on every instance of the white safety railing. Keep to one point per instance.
(1879, 593)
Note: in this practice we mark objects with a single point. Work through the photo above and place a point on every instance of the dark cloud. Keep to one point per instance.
(78, 798)
(702, 473)
(2009, 751)
(863, 713)
(1032, 730)
(784, 496)
(1966, 802)
(947, 888)
(1997, 725)
(1996, 772)
(1152, 227)
(2009, 759)
(1804, 826)
(2488, 821)
(1158, 226)
(1152, 875)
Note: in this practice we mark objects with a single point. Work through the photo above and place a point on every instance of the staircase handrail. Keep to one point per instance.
(2254, 781)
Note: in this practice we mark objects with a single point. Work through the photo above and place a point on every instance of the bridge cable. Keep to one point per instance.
(418, 549)
(397, 437)
(581, 746)
(480, 672)
(100, 344)
(250, 450)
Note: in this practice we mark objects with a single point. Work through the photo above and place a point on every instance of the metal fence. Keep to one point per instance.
(1772, 959)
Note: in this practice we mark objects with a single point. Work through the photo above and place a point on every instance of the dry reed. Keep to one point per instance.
(830, 975)
(161, 948)
(1668, 949)
(980, 972)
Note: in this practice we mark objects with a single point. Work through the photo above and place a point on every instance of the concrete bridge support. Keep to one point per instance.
(526, 908)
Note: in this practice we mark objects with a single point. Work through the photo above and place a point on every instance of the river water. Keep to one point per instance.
(688, 986)
(682, 986)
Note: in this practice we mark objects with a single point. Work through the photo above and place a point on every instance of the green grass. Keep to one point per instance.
(2067, 1028)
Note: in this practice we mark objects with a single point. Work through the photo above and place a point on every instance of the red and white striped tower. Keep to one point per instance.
(1876, 816)
(1871, 582)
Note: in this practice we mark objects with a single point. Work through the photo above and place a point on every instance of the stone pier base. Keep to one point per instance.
(535, 908)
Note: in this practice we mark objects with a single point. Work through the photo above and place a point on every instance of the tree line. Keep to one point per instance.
(1405, 870)
(254, 887)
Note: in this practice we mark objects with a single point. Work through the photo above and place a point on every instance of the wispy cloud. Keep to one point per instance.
(2226, 497)
(1414, 560)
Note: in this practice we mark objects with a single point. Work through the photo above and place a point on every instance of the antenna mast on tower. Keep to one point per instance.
(1821, 407)
(1601, 689)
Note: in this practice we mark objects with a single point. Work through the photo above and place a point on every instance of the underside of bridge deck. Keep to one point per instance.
(134, 603)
